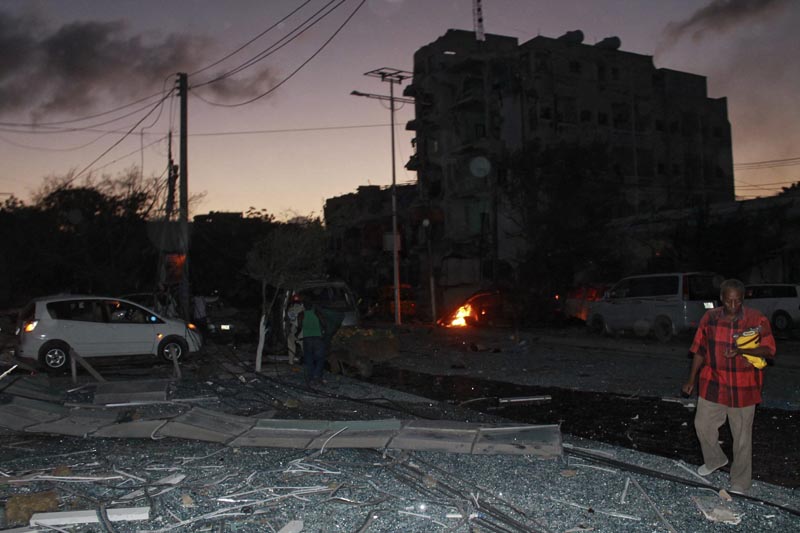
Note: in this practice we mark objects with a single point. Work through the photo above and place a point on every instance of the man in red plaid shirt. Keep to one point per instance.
(730, 385)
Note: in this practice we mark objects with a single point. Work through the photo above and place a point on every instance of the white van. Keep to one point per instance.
(780, 302)
(662, 304)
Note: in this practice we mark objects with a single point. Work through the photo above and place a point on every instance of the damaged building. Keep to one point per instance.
(480, 102)
(668, 143)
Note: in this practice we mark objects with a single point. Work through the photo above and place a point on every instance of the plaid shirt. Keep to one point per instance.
(733, 382)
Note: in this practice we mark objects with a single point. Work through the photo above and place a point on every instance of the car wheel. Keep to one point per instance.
(172, 348)
(662, 329)
(781, 322)
(54, 357)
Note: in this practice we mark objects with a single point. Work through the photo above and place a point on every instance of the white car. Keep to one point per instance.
(96, 326)
(780, 303)
(662, 304)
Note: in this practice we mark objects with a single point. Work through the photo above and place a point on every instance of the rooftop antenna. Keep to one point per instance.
(477, 20)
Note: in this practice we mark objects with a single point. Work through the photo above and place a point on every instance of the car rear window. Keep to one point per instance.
(81, 310)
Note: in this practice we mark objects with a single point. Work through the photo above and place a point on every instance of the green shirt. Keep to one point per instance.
(311, 324)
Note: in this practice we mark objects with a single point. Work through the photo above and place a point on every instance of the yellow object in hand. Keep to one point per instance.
(747, 340)
(758, 362)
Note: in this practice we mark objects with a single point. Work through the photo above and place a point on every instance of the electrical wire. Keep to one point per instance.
(770, 163)
(79, 119)
(251, 41)
(302, 65)
(48, 149)
(296, 32)
(87, 167)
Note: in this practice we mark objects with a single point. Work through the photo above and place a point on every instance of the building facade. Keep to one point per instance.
(479, 102)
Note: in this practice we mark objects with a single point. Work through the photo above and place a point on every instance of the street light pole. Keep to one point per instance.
(392, 76)
(427, 224)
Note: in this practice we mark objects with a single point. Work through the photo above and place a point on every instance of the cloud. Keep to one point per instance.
(81, 65)
(721, 16)
(747, 51)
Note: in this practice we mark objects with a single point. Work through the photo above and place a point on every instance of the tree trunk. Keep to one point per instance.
(263, 326)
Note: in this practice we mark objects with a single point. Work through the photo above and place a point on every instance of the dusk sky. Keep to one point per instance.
(309, 139)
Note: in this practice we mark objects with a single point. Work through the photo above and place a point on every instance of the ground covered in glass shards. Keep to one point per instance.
(604, 482)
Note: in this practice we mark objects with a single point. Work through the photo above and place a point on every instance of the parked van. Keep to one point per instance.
(780, 302)
(662, 304)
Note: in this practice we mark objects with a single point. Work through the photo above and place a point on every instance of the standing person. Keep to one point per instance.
(311, 324)
(293, 328)
(730, 385)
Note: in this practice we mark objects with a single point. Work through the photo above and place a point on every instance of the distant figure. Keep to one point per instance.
(730, 380)
(312, 327)
(293, 333)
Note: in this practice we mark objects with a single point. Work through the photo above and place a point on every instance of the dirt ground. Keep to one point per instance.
(460, 368)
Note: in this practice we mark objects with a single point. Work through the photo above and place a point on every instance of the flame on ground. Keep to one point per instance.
(460, 317)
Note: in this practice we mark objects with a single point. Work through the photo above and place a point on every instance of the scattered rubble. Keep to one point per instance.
(223, 485)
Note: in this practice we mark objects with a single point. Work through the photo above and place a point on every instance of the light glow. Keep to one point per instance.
(460, 319)
(30, 326)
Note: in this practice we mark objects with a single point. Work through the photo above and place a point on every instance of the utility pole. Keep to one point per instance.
(392, 76)
(184, 193)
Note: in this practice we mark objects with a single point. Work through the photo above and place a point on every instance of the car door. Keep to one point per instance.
(130, 328)
(614, 308)
(81, 324)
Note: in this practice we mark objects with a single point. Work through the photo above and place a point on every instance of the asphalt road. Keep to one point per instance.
(573, 358)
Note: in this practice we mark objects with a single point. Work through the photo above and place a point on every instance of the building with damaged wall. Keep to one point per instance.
(359, 227)
(479, 101)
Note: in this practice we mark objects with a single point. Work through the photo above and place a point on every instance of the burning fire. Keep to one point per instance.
(460, 318)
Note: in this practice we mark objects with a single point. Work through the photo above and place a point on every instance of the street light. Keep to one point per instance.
(426, 223)
(392, 76)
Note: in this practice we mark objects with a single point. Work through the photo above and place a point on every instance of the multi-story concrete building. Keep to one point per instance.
(477, 102)
(359, 227)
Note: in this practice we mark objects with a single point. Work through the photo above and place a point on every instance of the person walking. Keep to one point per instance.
(312, 327)
(729, 383)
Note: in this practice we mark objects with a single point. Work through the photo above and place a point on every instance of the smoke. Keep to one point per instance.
(747, 51)
(79, 66)
(721, 16)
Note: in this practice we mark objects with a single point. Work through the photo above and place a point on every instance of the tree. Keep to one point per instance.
(289, 254)
(87, 236)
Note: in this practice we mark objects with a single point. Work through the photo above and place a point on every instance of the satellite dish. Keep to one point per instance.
(480, 166)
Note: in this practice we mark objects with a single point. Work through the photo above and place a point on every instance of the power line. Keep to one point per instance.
(251, 41)
(290, 76)
(770, 163)
(81, 119)
(87, 167)
(201, 134)
(296, 32)
(51, 130)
